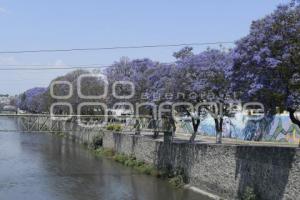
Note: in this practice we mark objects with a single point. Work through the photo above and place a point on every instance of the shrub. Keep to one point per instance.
(176, 176)
(145, 168)
(121, 158)
(114, 127)
(59, 134)
(97, 142)
(177, 181)
(131, 161)
(249, 194)
(140, 166)
(104, 152)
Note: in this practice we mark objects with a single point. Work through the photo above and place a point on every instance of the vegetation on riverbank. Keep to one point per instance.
(249, 194)
(114, 127)
(60, 134)
(175, 177)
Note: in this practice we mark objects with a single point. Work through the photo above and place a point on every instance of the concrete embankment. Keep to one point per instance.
(226, 170)
(80, 134)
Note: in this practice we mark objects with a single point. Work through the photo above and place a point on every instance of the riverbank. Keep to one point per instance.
(230, 171)
(46, 166)
(93, 140)
(174, 178)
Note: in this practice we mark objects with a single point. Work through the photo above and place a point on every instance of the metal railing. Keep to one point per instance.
(67, 123)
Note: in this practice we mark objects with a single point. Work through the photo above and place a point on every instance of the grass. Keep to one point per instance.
(114, 127)
(249, 194)
(131, 161)
(176, 177)
(177, 181)
(96, 142)
(104, 152)
(60, 134)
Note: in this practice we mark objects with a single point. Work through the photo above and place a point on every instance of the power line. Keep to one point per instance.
(114, 48)
(50, 68)
(55, 67)
(43, 65)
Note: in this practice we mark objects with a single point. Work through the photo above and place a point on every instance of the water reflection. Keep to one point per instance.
(41, 166)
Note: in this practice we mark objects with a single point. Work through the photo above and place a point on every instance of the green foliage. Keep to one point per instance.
(184, 53)
(271, 100)
(60, 134)
(146, 169)
(114, 127)
(177, 181)
(176, 176)
(131, 162)
(97, 142)
(249, 194)
(104, 152)
(140, 166)
(121, 158)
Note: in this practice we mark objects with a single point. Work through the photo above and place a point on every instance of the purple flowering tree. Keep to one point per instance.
(215, 85)
(89, 86)
(267, 60)
(136, 71)
(204, 77)
(32, 100)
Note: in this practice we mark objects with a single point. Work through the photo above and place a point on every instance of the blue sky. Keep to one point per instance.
(58, 24)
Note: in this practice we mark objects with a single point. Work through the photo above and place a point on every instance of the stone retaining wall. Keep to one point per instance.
(73, 131)
(227, 170)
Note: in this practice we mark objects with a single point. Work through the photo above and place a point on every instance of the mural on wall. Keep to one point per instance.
(276, 128)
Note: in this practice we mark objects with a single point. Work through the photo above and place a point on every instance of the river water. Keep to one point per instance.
(42, 166)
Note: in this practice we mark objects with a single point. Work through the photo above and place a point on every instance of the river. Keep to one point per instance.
(43, 166)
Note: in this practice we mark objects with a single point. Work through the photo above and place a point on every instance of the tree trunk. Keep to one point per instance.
(196, 123)
(292, 116)
(137, 127)
(155, 132)
(168, 137)
(192, 138)
(168, 130)
(219, 127)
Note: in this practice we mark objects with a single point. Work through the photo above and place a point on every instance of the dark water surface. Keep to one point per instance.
(42, 166)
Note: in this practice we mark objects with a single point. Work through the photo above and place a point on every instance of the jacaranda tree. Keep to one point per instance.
(267, 61)
(32, 100)
(204, 77)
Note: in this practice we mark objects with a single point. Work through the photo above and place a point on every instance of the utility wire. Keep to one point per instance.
(114, 48)
(55, 67)
(43, 65)
(90, 66)
(50, 68)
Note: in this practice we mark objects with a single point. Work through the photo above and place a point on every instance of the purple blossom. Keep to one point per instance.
(31, 100)
(260, 59)
(257, 58)
(272, 62)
